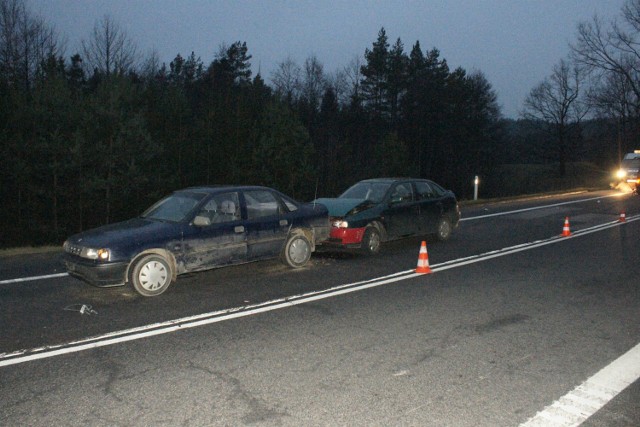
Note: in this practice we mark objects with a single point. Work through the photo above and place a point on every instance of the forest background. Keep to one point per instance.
(98, 136)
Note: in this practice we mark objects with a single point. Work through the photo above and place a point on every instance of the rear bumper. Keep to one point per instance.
(101, 275)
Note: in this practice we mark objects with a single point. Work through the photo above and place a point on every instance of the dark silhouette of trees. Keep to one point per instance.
(98, 136)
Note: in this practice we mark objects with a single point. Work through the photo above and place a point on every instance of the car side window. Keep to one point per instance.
(424, 191)
(437, 190)
(220, 208)
(289, 204)
(402, 193)
(261, 203)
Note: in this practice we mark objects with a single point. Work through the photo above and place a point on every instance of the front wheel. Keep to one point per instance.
(296, 251)
(444, 230)
(371, 241)
(151, 275)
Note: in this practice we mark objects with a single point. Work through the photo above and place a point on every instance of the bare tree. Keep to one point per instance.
(614, 99)
(25, 43)
(556, 101)
(151, 65)
(313, 83)
(612, 54)
(337, 81)
(353, 77)
(613, 51)
(109, 51)
(286, 80)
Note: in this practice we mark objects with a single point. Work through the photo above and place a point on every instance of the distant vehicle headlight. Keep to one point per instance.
(621, 173)
(340, 223)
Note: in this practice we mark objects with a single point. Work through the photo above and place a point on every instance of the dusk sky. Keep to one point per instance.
(515, 43)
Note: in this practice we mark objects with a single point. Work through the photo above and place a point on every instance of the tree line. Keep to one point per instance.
(98, 136)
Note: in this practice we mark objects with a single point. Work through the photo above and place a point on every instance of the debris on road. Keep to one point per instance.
(81, 308)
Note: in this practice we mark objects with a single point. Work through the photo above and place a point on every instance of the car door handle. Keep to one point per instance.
(239, 229)
(284, 222)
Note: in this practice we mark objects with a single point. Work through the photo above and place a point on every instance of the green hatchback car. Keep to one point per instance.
(377, 210)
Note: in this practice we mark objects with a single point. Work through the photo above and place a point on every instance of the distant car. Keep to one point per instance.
(376, 210)
(629, 171)
(197, 229)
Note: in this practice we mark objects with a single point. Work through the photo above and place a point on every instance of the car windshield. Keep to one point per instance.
(631, 163)
(373, 191)
(174, 208)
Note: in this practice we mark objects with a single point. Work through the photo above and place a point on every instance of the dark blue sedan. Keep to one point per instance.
(197, 229)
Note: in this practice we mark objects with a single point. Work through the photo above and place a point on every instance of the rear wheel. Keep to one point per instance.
(151, 275)
(297, 251)
(444, 230)
(371, 241)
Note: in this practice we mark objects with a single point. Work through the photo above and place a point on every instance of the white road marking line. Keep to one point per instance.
(28, 279)
(472, 218)
(589, 397)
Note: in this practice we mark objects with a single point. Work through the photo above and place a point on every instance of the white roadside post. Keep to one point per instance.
(476, 181)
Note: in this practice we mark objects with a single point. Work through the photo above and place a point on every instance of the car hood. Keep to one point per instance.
(341, 207)
(136, 230)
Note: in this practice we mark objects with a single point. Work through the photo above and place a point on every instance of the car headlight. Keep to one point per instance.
(340, 223)
(100, 254)
(621, 173)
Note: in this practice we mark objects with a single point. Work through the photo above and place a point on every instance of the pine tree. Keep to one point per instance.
(374, 83)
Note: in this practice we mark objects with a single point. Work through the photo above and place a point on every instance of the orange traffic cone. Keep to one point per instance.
(623, 217)
(423, 260)
(565, 230)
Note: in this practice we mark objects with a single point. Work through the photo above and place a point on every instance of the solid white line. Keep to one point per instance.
(185, 323)
(570, 410)
(22, 356)
(472, 218)
(28, 279)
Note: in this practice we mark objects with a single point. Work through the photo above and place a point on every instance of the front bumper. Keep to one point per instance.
(97, 274)
(348, 238)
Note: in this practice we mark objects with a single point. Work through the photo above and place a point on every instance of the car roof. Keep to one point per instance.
(210, 189)
(392, 180)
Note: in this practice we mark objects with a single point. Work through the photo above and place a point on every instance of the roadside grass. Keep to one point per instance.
(525, 179)
(530, 196)
(29, 250)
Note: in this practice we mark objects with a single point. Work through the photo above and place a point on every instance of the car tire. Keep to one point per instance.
(296, 251)
(443, 232)
(371, 241)
(151, 275)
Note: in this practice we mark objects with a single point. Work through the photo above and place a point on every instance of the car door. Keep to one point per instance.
(216, 236)
(267, 224)
(430, 204)
(401, 212)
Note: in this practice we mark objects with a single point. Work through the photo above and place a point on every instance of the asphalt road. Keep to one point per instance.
(512, 319)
